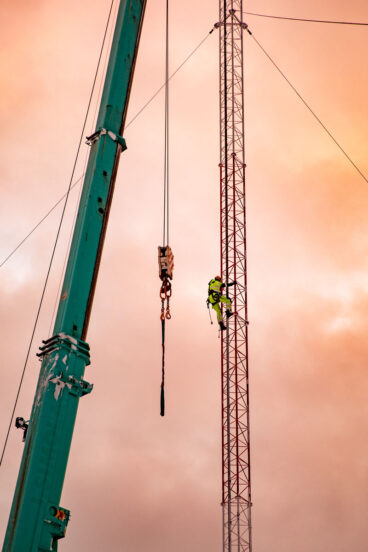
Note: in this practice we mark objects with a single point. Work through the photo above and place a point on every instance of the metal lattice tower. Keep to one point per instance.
(236, 484)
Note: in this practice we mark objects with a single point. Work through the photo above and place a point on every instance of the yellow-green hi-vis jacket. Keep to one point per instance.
(215, 297)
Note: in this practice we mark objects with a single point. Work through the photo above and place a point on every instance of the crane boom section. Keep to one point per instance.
(37, 521)
(81, 273)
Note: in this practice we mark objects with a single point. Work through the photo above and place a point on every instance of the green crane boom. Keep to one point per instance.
(37, 521)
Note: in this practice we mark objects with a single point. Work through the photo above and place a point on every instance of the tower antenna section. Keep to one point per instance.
(236, 483)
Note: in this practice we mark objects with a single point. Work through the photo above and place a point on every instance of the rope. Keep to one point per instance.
(56, 241)
(310, 109)
(162, 397)
(209, 311)
(165, 294)
(306, 20)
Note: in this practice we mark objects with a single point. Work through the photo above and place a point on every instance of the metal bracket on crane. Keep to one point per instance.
(56, 521)
(21, 423)
(101, 132)
(67, 342)
(76, 387)
(71, 346)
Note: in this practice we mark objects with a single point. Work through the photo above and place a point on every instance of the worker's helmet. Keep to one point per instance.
(218, 278)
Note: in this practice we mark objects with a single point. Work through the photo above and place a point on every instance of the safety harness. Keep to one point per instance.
(213, 294)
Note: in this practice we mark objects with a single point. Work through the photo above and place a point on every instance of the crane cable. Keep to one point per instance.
(165, 256)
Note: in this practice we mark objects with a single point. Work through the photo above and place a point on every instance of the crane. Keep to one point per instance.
(37, 521)
(236, 481)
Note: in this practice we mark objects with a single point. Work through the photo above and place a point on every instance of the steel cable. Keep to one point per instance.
(310, 109)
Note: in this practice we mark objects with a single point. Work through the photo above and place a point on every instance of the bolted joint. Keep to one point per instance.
(76, 387)
(103, 131)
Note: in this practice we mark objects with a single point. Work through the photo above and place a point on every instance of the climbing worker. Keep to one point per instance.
(215, 297)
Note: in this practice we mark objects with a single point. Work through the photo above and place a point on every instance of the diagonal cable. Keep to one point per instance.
(310, 109)
(40, 222)
(170, 77)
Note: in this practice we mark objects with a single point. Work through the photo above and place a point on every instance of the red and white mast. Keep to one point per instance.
(236, 484)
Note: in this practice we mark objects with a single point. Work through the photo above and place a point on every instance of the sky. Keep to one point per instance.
(136, 480)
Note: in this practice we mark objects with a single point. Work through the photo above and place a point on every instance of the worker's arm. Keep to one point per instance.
(232, 284)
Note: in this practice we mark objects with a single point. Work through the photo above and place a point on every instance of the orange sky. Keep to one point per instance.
(136, 481)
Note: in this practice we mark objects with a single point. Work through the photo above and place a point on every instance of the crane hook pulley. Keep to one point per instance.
(166, 267)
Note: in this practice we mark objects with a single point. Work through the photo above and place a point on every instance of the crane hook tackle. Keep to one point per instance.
(166, 267)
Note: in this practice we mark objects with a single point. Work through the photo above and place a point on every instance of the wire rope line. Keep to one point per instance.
(311, 110)
(307, 20)
(165, 239)
(56, 239)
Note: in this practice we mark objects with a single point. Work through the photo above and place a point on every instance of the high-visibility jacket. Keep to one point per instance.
(215, 290)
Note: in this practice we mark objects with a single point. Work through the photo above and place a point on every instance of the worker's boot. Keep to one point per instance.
(222, 325)
(229, 313)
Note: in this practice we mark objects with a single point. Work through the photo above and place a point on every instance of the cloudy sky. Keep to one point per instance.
(136, 481)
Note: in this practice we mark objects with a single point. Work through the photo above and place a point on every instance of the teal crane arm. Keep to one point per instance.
(37, 521)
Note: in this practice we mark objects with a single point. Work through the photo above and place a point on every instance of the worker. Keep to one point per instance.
(215, 297)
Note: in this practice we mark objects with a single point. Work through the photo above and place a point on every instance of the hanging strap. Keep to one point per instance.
(165, 294)
(162, 400)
